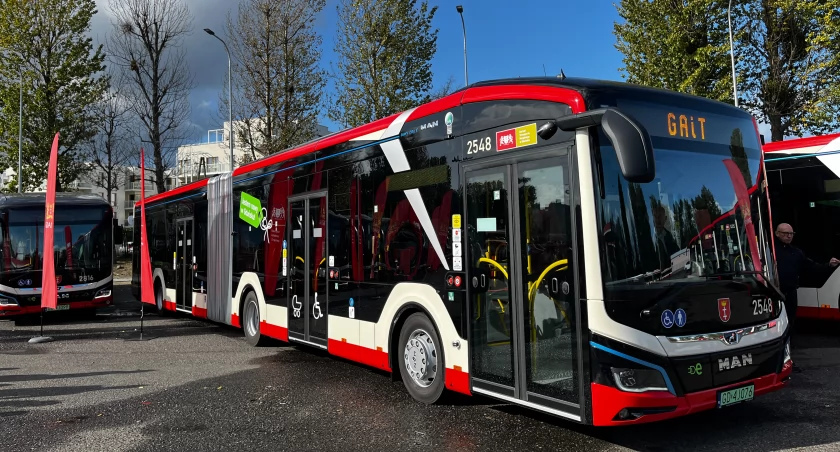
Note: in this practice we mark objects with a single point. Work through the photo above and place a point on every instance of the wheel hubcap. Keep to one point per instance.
(421, 358)
(252, 319)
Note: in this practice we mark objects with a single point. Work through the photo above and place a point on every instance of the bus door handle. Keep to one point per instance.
(555, 285)
(483, 280)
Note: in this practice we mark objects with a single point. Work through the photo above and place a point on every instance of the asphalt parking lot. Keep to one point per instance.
(196, 386)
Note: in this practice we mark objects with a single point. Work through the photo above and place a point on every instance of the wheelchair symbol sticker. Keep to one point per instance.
(667, 318)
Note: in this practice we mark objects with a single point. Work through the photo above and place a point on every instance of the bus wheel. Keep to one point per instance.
(422, 359)
(251, 321)
(159, 300)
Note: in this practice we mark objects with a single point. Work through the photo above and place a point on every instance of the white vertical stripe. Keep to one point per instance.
(599, 321)
(395, 154)
(393, 149)
(832, 161)
(419, 207)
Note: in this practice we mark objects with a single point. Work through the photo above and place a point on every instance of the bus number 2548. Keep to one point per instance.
(479, 145)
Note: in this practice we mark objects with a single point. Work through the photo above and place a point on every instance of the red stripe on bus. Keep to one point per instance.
(275, 331)
(374, 358)
(457, 380)
(797, 143)
(509, 92)
(199, 312)
(169, 305)
(812, 312)
(234, 320)
(332, 140)
(198, 185)
(449, 102)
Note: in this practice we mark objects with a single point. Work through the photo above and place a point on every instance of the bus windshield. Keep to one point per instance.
(82, 239)
(704, 215)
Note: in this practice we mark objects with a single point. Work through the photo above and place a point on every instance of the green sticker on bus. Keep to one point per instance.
(250, 209)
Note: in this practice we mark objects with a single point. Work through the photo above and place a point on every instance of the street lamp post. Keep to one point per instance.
(20, 133)
(732, 54)
(230, 94)
(464, 28)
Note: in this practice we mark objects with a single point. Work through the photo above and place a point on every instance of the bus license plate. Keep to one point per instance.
(737, 395)
(62, 307)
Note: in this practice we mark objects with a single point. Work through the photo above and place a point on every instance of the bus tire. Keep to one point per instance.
(159, 299)
(421, 359)
(251, 321)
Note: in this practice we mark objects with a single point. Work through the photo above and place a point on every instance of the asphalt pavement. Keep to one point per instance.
(197, 386)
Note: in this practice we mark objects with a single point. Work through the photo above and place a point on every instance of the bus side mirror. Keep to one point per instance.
(631, 141)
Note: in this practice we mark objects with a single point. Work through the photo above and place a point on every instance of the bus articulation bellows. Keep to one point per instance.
(540, 241)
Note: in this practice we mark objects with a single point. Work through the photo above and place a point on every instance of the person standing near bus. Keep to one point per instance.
(792, 263)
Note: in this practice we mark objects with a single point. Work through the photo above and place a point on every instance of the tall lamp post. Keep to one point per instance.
(464, 28)
(230, 94)
(20, 132)
(732, 54)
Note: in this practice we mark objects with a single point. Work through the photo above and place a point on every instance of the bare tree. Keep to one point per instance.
(112, 147)
(278, 72)
(146, 44)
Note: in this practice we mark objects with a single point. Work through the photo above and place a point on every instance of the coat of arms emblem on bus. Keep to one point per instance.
(724, 309)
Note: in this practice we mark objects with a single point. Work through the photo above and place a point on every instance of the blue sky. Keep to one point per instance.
(504, 39)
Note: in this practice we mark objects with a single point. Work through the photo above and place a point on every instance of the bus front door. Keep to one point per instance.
(185, 260)
(307, 309)
(524, 337)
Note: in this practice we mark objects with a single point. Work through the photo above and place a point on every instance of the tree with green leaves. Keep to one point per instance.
(384, 49)
(786, 53)
(63, 78)
(279, 79)
(787, 56)
(677, 45)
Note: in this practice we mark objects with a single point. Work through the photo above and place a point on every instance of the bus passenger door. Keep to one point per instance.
(307, 309)
(524, 338)
(185, 260)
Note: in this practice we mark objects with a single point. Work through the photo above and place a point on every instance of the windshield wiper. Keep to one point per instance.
(752, 275)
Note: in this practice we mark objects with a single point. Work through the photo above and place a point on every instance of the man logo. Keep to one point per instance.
(735, 362)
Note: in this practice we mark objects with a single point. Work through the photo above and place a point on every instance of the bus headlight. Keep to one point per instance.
(103, 293)
(7, 302)
(638, 380)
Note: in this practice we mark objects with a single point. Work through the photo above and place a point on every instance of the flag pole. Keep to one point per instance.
(146, 287)
(49, 287)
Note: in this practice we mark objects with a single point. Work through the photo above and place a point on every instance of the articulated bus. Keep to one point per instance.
(804, 177)
(505, 240)
(83, 253)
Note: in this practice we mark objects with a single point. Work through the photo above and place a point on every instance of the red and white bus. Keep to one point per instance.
(504, 240)
(83, 253)
(804, 177)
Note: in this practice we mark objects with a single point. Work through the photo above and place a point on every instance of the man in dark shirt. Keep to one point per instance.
(792, 263)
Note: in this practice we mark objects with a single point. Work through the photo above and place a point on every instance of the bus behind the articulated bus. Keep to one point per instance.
(595, 250)
(804, 178)
(83, 249)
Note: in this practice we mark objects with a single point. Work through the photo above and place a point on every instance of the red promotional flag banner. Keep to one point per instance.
(147, 292)
(49, 289)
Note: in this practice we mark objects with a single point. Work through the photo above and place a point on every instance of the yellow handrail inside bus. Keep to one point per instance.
(532, 290)
(495, 264)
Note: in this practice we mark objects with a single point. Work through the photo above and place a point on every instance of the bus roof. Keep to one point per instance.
(576, 92)
(61, 199)
(809, 145)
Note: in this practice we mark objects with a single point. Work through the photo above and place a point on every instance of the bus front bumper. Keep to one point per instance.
(613, 407)
(12, 310)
